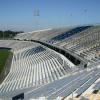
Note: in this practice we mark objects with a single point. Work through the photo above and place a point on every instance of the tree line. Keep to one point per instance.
(9, 34)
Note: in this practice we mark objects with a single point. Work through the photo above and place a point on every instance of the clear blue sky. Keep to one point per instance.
(18, 14)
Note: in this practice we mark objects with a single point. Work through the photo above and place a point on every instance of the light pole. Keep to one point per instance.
(85, 16)
(36, 14)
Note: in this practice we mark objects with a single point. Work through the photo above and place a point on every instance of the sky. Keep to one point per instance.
(20, 15)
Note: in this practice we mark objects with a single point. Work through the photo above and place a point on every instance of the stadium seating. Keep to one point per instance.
(85, 44)
(69, 33)
(64, 87)
(33, 66)
(40, 34)
(39, 72)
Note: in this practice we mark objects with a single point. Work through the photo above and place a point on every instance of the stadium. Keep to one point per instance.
(53, 64)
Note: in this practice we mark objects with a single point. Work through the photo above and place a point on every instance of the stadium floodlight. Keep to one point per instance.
(36, 12)
(85, 10)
